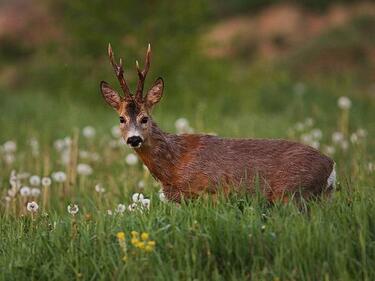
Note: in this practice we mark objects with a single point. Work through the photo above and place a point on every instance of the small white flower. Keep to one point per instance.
(299, 88)
(131, 159)
(330, 150)
(46, 181)
(146, 203)
(120, 208)
(116, 131)
(344, 103)
(309, 122)
(59, 145)
(34, 180)
(181, 123)
(9, 158)
(299, 127)
(315, 144)
(162, 197)
(316, 134)
(132, 207)
(35, 192)
(25, 191)
(83, 154)
(99, 188)
(12, 192)
(67, 141)
(344, 145)
(263, 227)
(32, 207)
(109, 212)
(137, 197)
(34, 144)
(9, 147)
(73, 210)
(362, 133)
(306, 138)
(59, 176)
(354, 138)
(337, 137)
(141, 184)
(88, 132)
(84, 169)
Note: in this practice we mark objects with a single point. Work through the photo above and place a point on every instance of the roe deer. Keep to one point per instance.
(190, 164)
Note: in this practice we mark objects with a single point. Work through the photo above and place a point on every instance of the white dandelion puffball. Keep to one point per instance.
(84, 169)
(73, 210)
(109, 212)
(181, 124)
(141, 184)
(32, 207)
(337, 137)
(362, 133)
(146, 203)
(344, 103)
(99, 188)
(35, 192)
(9, 158)
(9, 147)
(34, 180)
(46, 181)
(59, 176)
(116, 131)
(132, 207)
(162, 196)
(88, 132)
(120, 208)
(25, 191)
(137, 197)
(330, 150)
(354, 138)
(131, 159)
(316, 134)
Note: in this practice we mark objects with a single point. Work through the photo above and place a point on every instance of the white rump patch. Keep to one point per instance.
(332, 177)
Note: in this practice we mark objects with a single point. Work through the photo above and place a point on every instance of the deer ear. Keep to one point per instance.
(155, 93)
(110, 95)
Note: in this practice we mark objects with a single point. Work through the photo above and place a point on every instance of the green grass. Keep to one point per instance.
(238, 238)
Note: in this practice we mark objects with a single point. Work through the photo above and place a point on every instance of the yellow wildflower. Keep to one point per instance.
(149, 248)
(151, 243)
(120, 235)
(134, 241)
(134, 234)
(144, 236)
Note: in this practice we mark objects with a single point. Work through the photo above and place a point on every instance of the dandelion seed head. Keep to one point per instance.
(120, 208)
(162, 196)
(46, 181)
(141, 184)
(132, 207)
(337, 137)
(99, 188)
(32, 207)
(344, 103)
(146, 203)
(34, 180)
(25, 191)
(9, 147)
(109, 212)
(88, 132)
(137, 197)
(84, 169)
(131, 159)
(73, 209)
(35, 192)
(59, 177)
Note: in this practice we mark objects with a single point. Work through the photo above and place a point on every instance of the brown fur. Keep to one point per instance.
(188, 165)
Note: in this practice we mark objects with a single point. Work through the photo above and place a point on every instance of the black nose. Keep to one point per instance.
(134, 141)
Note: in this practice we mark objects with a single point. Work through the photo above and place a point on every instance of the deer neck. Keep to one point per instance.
(161, 154)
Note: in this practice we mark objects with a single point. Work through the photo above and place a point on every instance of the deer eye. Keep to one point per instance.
(122, 119)
(144, 120)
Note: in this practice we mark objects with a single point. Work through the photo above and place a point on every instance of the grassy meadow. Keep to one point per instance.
(61, 150)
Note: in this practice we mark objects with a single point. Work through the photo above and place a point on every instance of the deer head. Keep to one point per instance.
(134, 110)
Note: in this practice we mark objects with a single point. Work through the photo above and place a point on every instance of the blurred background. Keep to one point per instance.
(236, 68)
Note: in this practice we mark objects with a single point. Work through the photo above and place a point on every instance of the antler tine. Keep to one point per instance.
(142, 74)
(119, 71)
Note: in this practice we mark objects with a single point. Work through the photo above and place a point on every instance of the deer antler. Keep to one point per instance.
(119, 71)
(142, 74)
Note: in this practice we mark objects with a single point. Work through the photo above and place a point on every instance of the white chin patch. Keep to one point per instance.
(138, 146)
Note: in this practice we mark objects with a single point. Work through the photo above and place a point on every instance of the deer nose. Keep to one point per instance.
(134, 141)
